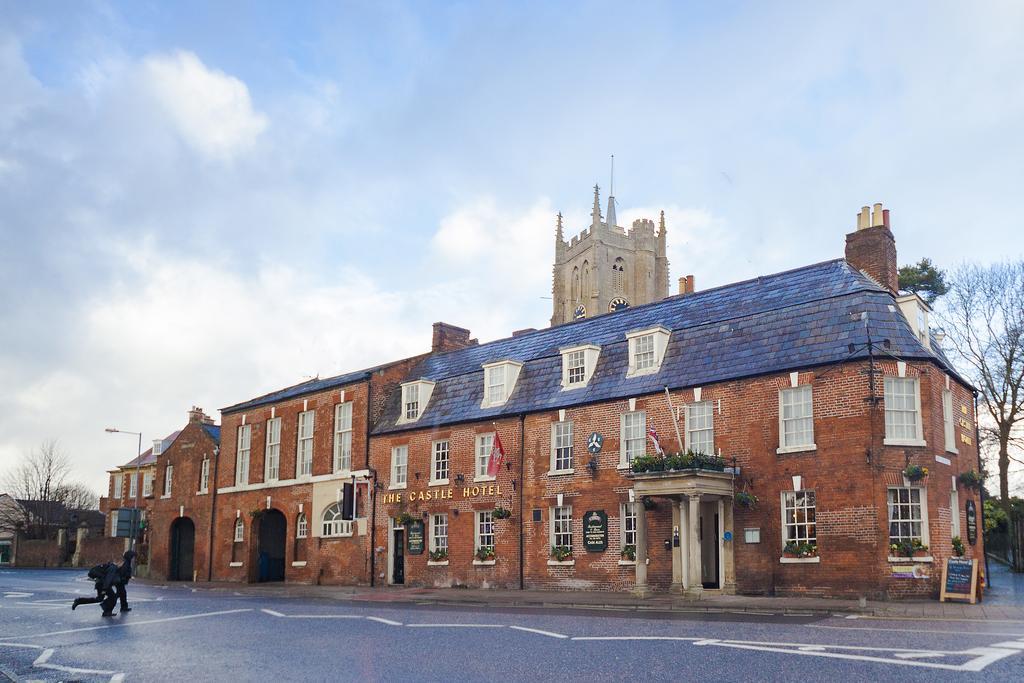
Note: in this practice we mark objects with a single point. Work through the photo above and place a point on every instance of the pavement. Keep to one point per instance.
(184, 631)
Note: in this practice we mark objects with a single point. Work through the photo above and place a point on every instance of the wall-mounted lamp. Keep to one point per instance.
(459, 478)
(592, 466)
(455, 512)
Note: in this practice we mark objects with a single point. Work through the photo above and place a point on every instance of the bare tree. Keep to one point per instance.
(984, 316)
(78, 497)
(42, 493)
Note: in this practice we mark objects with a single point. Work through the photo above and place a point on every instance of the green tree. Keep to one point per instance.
(923, 279)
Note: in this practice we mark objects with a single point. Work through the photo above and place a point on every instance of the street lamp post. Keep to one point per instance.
(138, 488)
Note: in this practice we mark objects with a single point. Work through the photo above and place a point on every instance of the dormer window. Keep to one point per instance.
(646, 350)
(578, 363)
(916, 311)
(499, 381)
(415, 396)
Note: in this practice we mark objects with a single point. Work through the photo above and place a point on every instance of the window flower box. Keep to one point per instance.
(800, 550)
(561, 553)
(485, 554)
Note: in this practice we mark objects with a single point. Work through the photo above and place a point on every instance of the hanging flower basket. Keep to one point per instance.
(404, 519)
(501, 513)
(971, 479)
(958, 547)
(629, 552)
(745, 499)
(915, 472)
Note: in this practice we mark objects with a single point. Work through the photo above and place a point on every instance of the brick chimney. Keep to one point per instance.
(687, 285)
(196, 415)
(450, 338)
(872, 248)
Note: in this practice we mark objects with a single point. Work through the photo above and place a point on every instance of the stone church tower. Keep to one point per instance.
(605, 268)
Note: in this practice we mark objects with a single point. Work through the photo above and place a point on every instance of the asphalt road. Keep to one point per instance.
(181, 633)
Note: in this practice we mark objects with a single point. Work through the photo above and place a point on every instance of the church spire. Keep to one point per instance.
(558, 229)
(595, 214)
(611, 197)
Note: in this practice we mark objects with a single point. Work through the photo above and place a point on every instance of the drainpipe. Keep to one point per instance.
(213, 511)
(981, 493)
(522, 512)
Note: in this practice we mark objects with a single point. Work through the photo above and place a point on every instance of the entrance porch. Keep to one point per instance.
(702, 529)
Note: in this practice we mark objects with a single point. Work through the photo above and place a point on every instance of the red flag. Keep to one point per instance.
(497, 457)
(654, 437)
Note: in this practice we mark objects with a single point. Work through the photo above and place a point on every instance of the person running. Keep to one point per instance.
(124, 575)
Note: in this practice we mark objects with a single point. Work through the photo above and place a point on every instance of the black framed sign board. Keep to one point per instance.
(414, 537)
(971, 513)
(595, 531)
(959, 579)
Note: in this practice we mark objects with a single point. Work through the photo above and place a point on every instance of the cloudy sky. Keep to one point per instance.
(201, 202)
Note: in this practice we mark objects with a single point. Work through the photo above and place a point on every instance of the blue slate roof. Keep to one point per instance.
(782, 322)
(213, 431)
(307, 387)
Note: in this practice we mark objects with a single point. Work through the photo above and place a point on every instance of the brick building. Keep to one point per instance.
(797, 411)
(131, 484)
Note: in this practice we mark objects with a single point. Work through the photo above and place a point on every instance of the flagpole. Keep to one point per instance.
(675, 420)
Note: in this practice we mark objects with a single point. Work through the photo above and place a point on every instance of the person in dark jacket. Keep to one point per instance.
(124, 575)
(105, 577)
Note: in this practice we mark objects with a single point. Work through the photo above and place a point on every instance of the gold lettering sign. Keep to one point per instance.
(965, 423)
(442, 494)
(966, 439)
(963, 409)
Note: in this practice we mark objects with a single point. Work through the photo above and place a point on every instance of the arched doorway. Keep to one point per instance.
(183, 541)
(270, 548)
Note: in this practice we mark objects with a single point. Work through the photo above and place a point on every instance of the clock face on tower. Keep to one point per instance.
(580, 312)
(618, 304)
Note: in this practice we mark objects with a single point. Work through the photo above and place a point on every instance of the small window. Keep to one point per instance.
(646, 350)
(798, 517)
(633, 437)
(496, 385)
(239, 530)
(643, 354)
(902, 412)
(954, 511)
(133, 485)
(628, 512)
(906, 515)
(412, 402)
(333, 524)
(168, 479)
(204, 476)
(301, 526)
(499, 380)
(947, 421)
(272, 464)
(484, 529)
(561, 526)
(439, 463)
(796, 419)
(415, 397)
(304, 447)
(561, 447)
(439, 532)
(575, 368)
(484, 446)
(700, 427)
(578, 364)
(242, 456)
(147, 484)
(399, 466)
(343, 437)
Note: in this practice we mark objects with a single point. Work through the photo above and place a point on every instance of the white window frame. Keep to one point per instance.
(694, 430)
(632, 446)
(331, 523)
(482, 447)
(948, 424)
(890, 439)
(561, 526)
(239, 535)
(954, 511)
(133, 485)
(440, 452)
(578, 364)
(627, 528)
(343, 437)
(497, 393)
(562, 448)
(301, 526)
(113, 523)
(204, 476)
(806, 393)
(922, 520)
(243, 448)
(659, 337)
(168, 479)
(438, 524)
(803, 527)
(305, 427)
(118, 490)
(483, 529)
(399, 467)
(417, 392)
(272, 461)
(147, 484)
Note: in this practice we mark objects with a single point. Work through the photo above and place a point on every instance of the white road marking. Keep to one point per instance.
(382, 620)
(456, 625)
(635, 638)
(14, 594)
(1011, 644)
(915, 655)
(551, 634)
(127, 624)
(272, 612)
(42, 662)
(310, 616)
(981, 634)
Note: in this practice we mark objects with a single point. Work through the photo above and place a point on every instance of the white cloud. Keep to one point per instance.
(211, 110)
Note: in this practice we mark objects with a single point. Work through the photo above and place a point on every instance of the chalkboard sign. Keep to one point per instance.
(959, 579)
(595, 531)
(972, 522)
(415, 537)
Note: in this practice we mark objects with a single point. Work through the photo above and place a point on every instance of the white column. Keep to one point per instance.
(694, 583)
(641, 588)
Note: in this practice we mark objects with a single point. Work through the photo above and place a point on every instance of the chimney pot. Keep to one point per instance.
(686, 285)
(885, 217)
(871, 248)
(876, 215)
(449, 337)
